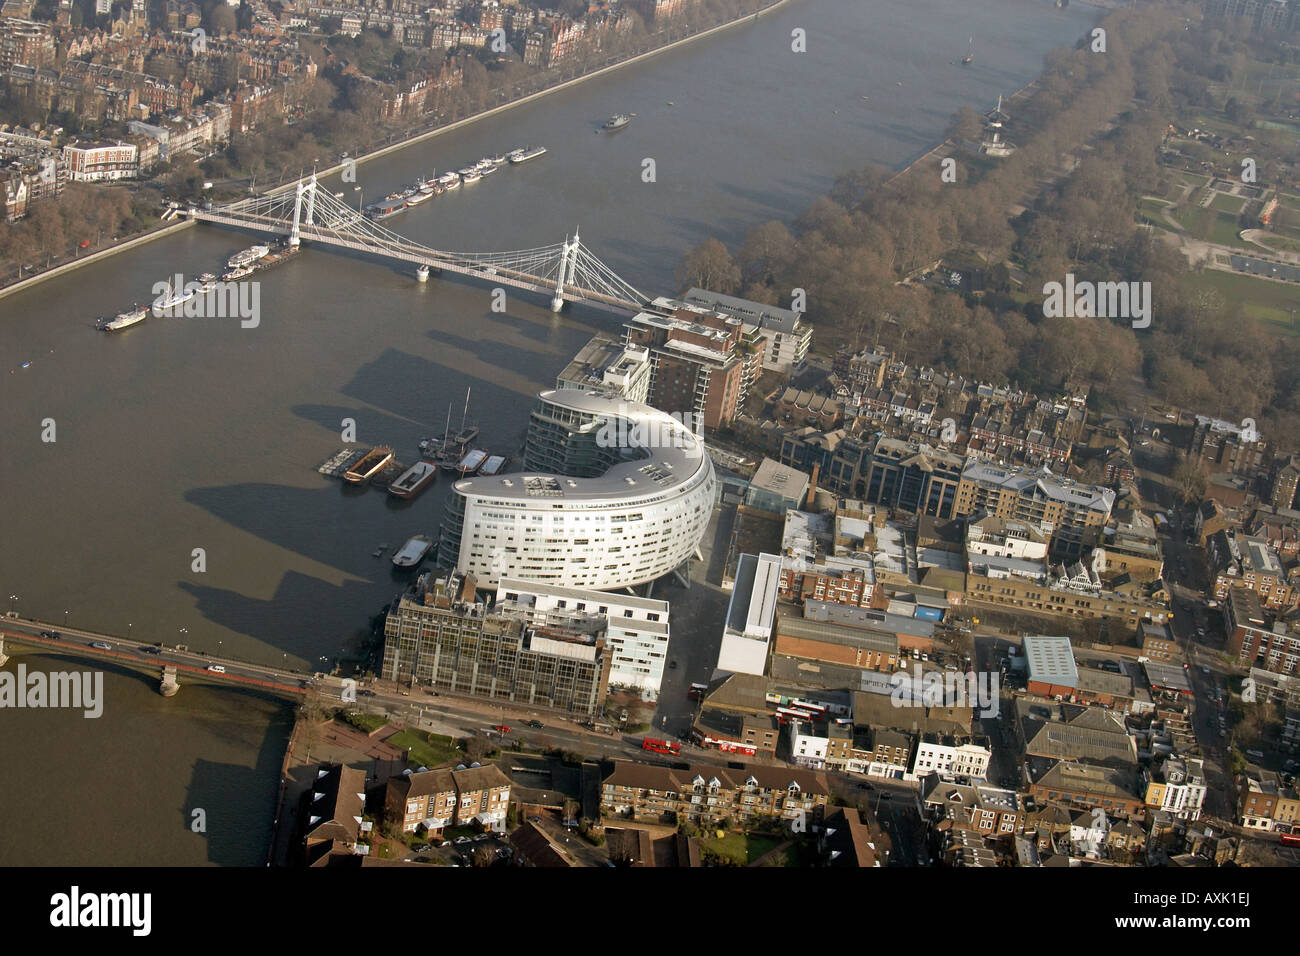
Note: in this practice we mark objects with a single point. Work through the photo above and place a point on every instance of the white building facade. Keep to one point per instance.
(637, 628)
(615, 494)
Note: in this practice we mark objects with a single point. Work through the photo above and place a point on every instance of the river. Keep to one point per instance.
(184, 434)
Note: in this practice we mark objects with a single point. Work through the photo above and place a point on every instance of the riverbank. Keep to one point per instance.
(99, 256)
(532, 97)
(403, 144)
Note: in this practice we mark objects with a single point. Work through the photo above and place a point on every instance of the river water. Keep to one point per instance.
(183, 434)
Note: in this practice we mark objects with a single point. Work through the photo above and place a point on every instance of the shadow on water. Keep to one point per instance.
(239, 808)
(277, 621)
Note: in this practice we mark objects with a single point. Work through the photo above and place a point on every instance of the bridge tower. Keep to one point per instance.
(311, 201)
(307, 189)
(568, 261)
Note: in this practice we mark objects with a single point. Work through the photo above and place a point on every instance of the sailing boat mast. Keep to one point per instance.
(465, 415)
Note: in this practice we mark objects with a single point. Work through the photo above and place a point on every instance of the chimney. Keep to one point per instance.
(812, 485)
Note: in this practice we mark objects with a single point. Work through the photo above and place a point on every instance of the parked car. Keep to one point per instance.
(100, 645)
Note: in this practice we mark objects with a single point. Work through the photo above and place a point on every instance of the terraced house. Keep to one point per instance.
(708, 795)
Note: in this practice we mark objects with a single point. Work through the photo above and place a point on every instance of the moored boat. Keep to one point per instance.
(371, 463)
(123, 320)
(414, 480)
(472, 462)
(527, 153)
(493, 465)
(247, 256)
(413, 552)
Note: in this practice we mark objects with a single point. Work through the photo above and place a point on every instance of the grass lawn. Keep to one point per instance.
(741, 850)
(366, 723)
(1148, 211)
(1270, 301)
(1228, 204)
(427, 750)
(1223, 228)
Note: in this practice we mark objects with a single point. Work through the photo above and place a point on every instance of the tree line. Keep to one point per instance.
(1088, 139)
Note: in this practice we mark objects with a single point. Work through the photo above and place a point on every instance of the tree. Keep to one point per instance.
(709, 266)
(477, 747)
(1189, 479)
(483, 856)
(967, 124)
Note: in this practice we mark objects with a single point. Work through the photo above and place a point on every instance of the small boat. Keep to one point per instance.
(207, 282)
(238, 273)
(449, 180)
(413, 552)
(527, 153)
(483, 165)
(470, 174)
(371, 463)
(617, 122)
(419, 197)
(493, 465)
(172, 298)
(422, 274)
(970, 55)
(379, 551)
(414, 480)
(472, 461)
(498, 160)
(123, 320)
(247, 256)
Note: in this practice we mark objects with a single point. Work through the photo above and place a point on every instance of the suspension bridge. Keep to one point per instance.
(566, 271)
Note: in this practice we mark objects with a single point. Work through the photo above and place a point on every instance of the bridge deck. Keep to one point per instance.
(421, 255)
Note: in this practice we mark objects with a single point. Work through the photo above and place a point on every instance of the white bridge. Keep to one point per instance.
(565, 270)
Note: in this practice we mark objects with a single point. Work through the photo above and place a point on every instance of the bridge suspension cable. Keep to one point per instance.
(566, 269)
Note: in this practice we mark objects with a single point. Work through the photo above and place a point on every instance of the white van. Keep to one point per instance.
(216, 668)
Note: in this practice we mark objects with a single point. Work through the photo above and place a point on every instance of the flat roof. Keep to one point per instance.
(1051, 660)
(753, 597)
(676, 456)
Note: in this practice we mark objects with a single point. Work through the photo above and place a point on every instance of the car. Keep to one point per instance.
(101, 646)
(461, 839)
(419, 847)
(146, 649)
(480, 838)
(672, 665)
(502, 728)
(84, 244)
(442, 843)
(217, 668)
(366, 693)
(1205, 668)
(535, 724)
(52, 635)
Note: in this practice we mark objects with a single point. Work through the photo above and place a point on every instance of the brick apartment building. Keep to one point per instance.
(708, 795)
(443, 798)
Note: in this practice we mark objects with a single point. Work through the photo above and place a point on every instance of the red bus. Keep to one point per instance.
(661, 746)
(1291, 839)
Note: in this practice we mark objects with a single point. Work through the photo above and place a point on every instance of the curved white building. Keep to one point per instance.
(613, 494)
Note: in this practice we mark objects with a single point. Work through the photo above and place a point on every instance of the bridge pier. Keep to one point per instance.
(170, 684)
